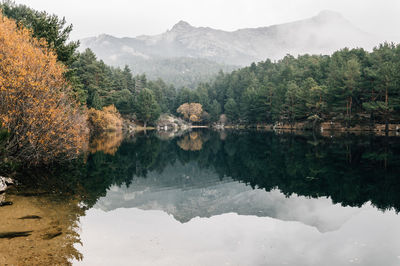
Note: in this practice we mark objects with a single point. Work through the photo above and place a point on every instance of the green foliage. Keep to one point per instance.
(165, 95)
(231, 110)
(350, 86)
(49, 27)
(147, 108)
(104, 85)
(215, 111)
(96, 101)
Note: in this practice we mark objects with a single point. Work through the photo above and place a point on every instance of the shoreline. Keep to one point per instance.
(278, 130)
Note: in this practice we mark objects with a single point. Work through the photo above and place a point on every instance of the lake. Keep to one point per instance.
(211, 198)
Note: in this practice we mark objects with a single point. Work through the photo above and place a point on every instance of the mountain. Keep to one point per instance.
(186, 50)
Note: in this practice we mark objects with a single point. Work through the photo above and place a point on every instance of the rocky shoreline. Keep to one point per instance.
(171, 123)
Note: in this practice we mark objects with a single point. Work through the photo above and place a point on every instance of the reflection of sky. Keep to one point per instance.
(139, 237)
(188, 216)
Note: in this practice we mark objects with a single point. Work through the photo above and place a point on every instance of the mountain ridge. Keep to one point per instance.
(324, 33)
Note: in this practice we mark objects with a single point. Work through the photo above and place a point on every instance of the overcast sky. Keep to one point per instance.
(137, 17)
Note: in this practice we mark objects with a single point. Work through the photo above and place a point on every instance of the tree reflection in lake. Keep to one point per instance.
(350, 170)
(107, 142)
(191, 142)
(206, 173)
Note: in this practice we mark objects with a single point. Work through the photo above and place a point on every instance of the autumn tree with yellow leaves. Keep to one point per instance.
(106, 120)
(191, 111)
(36, 107)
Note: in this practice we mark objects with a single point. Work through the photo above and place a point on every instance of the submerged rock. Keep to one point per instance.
(52, 233)
(10, 235)
(30, 217)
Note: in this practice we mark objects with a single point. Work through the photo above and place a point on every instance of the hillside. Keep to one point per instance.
(174, 55)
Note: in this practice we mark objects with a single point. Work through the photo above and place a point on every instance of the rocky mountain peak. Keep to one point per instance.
(182, 26)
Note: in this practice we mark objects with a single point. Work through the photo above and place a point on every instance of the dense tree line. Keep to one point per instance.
(350, 86)
(102, 85)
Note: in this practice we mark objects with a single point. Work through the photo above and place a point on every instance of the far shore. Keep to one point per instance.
(394, 130)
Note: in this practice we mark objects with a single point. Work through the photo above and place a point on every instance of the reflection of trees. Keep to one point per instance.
(191, 142)
(350, 170)
(107, 142)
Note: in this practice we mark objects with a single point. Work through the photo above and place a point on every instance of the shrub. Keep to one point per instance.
(106, 120)
(36, 108)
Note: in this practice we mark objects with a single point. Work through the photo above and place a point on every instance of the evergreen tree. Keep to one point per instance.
(215, 111)
(147, 108)
(43, 25)
(231, 110)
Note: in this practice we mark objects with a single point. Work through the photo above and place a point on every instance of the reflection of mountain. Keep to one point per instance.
(186, 191)
(350, 171)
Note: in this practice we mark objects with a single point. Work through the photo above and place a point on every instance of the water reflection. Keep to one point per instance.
(208, 198)
(107, 142)
(351, 171)
(191, 142)
(133, 236)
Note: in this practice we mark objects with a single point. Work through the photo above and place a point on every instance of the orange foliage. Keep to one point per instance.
(106, 120)
(107, 142)
(191, 142)
(35, 106)
(191, 111)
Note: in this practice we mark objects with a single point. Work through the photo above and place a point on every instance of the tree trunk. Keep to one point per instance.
(145, 124)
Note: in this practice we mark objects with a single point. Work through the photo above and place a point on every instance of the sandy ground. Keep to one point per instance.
(50, 229)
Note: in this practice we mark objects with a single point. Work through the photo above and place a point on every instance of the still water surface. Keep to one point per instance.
(220, 198)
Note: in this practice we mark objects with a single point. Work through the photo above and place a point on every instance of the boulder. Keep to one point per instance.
(171, 123)
(5, 182)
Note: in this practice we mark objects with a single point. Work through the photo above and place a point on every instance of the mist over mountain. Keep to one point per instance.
(185, 55)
